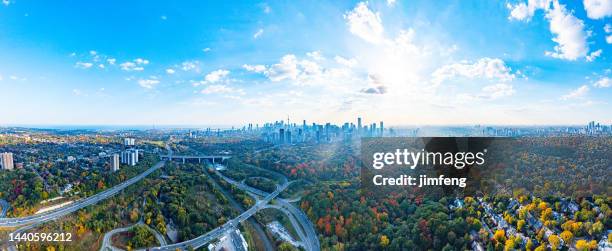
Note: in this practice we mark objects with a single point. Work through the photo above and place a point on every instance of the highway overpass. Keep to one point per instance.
(213, 159)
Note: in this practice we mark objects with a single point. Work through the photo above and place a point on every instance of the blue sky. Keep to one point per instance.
(216, 63)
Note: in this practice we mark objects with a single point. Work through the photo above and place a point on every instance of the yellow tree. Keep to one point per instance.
(542, 206)
(500, 236)
(529, 245)
(582, 245)
(384, 241)
(597, 228)
(567, 236)
(509, 245)
(541, 248)
(554, 241)
(520, 224)
(546, 214)
(592, 245)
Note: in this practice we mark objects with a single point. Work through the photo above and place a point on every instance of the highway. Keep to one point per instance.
(259, 231)
(312, 240)
(5, 206)
(309, 236)
(296, 226)
(237, 241)
(228, 226)
(60, 212)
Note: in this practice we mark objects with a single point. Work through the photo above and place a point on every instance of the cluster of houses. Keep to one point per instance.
(490, 217)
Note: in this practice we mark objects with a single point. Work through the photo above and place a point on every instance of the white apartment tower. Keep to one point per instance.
(6, 160)
(129, 157)
(129, 141)
(115, 162)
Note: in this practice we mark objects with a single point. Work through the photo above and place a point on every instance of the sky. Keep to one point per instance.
(536, 62)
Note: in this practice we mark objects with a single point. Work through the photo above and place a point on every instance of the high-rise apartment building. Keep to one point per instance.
(115, 162)
(129, 157)
(6, 159)
(129, 141)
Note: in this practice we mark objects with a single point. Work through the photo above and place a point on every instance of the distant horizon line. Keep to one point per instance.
(228, 126)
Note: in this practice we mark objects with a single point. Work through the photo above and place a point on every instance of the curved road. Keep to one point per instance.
(261, 234)
(310, 240)
(106, 242)
(228, 226)
(107, 245)
(295, 224)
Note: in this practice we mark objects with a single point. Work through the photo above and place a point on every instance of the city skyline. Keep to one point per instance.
(402, 62)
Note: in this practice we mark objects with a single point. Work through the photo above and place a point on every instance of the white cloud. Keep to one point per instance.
(310, 68)
(287, 68)
(101, 66)
(111, 61)
(391, 3)
(569, 34)
(135, 65)
(258, 33)
(597, 9)
(141, 61)
(487, 68)
(77, 92)
(346, 62)
(6, 2)
(316, 55)
(591, 57)
(301, 71)
(489, 92)
(578, 93)
(520, 11)
(603, 82)
(497, 91)
(191, 66)
(163, 17)
(609, 39)
(131, 66)
(83, 65)
(170, 71)
(524, 11)
(221, 89)
(375, 86)
(381, 89)
(148, 83)
(216, 76)
(93, 53)
(206, 49)
(290, 68)
(254, 68)
(568, 30)
(364, 23)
